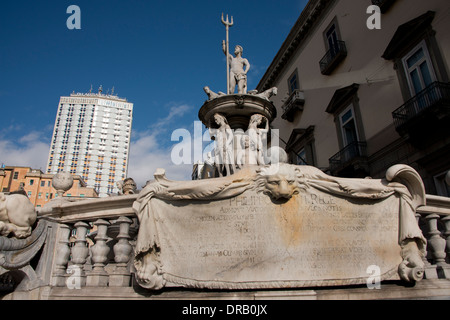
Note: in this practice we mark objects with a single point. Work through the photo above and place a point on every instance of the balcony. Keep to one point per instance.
(333, 57)
(350, 161)
(383, 4)
(295, 103)
(426, 112)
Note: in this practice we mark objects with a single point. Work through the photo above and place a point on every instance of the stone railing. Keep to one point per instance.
(434, 220)
(94, 242)
(104, 257)
(90, 244)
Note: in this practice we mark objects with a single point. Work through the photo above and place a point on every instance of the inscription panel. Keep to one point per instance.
(312, 238)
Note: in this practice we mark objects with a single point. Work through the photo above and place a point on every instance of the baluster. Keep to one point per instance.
(437, 244)
(429, 270)
(62, 256)
(122, 251)
(98, 277)
(446, 221)
(80, 252)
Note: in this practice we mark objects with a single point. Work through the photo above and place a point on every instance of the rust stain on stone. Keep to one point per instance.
(290, 221)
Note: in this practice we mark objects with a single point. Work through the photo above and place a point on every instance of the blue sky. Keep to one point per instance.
(157, 54)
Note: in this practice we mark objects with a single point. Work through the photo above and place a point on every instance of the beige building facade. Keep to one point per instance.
(38, 185)
(353, 100)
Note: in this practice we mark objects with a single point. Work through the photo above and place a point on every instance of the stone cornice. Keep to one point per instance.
(310, 14)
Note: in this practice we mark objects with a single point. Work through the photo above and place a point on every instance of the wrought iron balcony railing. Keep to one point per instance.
(295, 102)
(332, 58)
(352, 151)
(436, 95)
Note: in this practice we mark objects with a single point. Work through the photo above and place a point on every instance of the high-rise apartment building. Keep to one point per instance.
(91, 138)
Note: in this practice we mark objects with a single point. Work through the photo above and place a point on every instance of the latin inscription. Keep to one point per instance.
(312, 236)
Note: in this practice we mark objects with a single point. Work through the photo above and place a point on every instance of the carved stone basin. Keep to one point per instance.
(237, 108)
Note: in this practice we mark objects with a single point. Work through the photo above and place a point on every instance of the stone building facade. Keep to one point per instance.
(355, 100)
(38, 185)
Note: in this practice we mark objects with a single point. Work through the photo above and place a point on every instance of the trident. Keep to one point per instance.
(227, 25)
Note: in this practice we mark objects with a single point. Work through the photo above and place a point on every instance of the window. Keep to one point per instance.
(293, 82)
(351, 159)
(331, 37)
(419, 69)
(42, 183)
(442, 188)
(16, 175)
(336, 51)
(300, 146)
(39, 195)
(29, 193)
(416, 55)
(300, 158)
(348, 126)
(31, 182)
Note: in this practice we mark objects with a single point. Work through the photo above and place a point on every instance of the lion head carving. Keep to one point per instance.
(280, 181)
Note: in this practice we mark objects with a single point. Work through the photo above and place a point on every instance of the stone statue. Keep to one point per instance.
(238, 75)
(127, 186)
(258, 137)
(17, 215)
(244, 156)
(208, 169)
(223, 152)
(211, 94)
(267, 94)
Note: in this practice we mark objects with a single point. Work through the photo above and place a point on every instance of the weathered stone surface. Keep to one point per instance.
(276, 227)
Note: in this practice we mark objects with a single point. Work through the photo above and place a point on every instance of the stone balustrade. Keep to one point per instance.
(91, 244)
(94, 242)
(98, 259)
(434, 221)
(103, 256)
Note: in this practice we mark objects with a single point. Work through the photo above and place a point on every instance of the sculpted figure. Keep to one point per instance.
(238, 75)
(224, 157)
(208, 168)
(129, 186)
(268, 93)
(17, 215)
(211, 94)
(257, 137)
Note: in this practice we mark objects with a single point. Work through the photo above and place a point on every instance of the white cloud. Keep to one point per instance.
(150, 150)
(147, 154)
(30, 150)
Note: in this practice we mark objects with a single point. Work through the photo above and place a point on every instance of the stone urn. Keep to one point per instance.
(62, 182)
